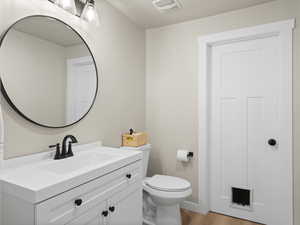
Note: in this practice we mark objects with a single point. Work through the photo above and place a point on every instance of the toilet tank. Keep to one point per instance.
(145, 149)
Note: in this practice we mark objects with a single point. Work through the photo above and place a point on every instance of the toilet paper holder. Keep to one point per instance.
(190, 155)
(184, 155)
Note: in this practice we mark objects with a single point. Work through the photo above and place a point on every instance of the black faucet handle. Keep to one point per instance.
(57, 153)
(54, 146)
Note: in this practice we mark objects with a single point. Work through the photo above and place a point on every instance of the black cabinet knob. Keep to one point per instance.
(128, 176)
(105, 213)
(272, 142)
(112, 208)
(78, 202)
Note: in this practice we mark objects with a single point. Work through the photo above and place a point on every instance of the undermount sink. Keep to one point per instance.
(78, 162)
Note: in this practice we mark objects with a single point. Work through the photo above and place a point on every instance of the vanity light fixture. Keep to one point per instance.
(84, 9)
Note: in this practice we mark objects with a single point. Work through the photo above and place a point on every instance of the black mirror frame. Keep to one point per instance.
(10, 102)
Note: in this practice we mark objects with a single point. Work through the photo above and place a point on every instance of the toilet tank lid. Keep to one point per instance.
(146, 147)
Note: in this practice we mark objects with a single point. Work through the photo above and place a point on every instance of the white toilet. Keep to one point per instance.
(162, 194)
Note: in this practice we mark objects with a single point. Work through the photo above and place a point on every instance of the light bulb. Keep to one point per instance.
(68, 5)
(89, 13)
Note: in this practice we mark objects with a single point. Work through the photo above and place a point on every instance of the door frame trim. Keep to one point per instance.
(282, 29)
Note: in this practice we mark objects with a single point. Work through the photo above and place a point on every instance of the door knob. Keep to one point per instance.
(272, 142)
(112, 208)
(128, 176)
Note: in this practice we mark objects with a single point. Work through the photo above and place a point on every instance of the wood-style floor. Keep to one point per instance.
(190, 218)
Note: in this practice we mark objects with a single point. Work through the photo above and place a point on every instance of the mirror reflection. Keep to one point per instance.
(47, 71)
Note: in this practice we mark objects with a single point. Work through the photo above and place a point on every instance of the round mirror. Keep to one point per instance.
(48, 73)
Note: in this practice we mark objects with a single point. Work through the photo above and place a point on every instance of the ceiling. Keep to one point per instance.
(50, 30)
(143, 13)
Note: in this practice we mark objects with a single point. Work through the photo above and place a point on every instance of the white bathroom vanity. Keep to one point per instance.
(98, 186)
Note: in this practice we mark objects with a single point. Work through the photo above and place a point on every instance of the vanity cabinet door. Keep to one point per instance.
(126, 207)
(92, 217)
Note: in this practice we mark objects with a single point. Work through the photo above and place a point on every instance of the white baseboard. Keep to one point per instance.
(194, 207)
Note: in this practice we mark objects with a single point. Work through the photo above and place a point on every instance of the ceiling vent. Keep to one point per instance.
(166, 5)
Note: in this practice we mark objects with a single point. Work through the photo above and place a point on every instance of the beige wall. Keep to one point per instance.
(119, 49)
(171, 86)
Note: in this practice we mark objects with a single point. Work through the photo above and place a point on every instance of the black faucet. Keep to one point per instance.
(64, 153)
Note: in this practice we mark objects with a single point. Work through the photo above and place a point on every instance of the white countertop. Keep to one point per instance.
(39, 177)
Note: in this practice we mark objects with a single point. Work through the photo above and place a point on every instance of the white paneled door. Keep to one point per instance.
(250, 161)
(81, 87)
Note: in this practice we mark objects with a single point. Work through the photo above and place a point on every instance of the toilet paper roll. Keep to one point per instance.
(182, 156)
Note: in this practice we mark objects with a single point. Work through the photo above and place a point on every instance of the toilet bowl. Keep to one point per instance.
(165, 193)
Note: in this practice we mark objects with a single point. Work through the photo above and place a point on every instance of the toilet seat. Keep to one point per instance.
(168, 183)
(169, 193)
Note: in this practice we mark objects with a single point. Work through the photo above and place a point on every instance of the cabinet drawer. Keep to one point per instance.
(92, 217)
(61, 209)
